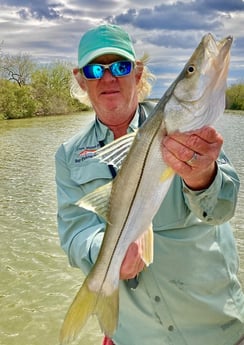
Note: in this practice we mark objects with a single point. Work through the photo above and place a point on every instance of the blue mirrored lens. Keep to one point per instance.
(118, 69)
(93, 71)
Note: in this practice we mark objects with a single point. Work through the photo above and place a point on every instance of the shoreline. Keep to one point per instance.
(226, 111)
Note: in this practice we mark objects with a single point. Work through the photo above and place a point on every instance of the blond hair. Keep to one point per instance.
(143, 88)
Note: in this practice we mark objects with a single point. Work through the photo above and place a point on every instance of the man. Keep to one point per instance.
(190, 294)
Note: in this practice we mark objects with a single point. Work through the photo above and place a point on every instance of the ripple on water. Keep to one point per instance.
(37, 285)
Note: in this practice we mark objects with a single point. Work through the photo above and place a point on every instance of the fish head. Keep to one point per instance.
(197, 97)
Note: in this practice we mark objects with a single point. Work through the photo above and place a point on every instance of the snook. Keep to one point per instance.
(196, 98)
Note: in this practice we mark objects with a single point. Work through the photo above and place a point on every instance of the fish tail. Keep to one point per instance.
(85, 304)
(107, 311)
(80, 310)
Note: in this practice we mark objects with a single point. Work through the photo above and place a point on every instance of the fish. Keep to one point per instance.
(196, 98)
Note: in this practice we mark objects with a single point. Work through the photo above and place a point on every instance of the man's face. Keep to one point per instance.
(113, 98)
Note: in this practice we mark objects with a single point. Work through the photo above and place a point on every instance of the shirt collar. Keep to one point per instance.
(104, 134)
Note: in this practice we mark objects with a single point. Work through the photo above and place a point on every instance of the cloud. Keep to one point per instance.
(37, 13)
(178, 16)
(173, 39)
(168, 30)
(35, 9)
(220, 5)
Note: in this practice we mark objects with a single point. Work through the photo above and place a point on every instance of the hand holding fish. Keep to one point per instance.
(132, 263)
(192, 155)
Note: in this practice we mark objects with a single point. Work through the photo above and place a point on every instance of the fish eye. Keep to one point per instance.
(190, 69)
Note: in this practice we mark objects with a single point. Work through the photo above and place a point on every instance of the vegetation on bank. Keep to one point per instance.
(28, 89)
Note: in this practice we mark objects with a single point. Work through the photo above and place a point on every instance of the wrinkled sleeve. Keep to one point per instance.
(80, 231)
(216, 204)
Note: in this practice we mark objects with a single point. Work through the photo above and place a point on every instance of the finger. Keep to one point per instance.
(132, 263)
(193, 143)
(141, 266)
(178, 165)
(130, 270)
(207, 134)
(182, 151)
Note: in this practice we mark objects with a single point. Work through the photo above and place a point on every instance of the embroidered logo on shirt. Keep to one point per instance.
(86, 152)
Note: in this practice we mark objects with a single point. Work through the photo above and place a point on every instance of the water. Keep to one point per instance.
(36, 283)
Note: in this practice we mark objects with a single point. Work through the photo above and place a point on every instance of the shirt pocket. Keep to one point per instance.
(90, 175)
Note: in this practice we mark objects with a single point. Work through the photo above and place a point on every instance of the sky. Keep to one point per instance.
(169, 31)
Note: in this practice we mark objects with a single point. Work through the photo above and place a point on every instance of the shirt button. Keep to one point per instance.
(157, 299)
(171, 328)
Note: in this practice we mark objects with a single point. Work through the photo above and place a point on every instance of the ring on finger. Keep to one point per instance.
(193, 159)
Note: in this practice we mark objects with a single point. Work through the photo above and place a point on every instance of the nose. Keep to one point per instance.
(108, 75)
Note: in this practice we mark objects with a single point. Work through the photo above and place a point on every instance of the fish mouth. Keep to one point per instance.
(217, 49)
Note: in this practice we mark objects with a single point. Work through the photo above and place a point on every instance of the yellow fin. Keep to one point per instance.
(107, 311)
(85, 304)
(145, 241)
(168, 172)
(98, 200)
(81, 308)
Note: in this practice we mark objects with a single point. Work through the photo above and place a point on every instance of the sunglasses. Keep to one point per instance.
(117, 69)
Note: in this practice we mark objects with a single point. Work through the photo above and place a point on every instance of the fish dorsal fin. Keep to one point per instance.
(97, 201)
(145, 242)
(115, 152)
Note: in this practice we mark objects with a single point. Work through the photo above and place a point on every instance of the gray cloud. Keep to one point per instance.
(219, 5)
(37, 13)
(35, 9)
(177, 16)
(173, 39)
(168, 31)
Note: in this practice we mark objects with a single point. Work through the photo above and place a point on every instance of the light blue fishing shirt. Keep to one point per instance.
(190, 295)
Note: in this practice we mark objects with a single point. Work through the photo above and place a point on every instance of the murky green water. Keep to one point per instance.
(36, 283)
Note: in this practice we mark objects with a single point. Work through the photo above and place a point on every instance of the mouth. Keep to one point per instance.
(109, 92)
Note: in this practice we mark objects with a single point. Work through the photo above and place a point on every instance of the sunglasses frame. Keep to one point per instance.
(108, 66)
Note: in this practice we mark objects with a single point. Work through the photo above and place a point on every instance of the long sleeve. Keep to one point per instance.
(216, 204)
(80, 231)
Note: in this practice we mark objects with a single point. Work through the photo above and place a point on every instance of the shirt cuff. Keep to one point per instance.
(203, 202)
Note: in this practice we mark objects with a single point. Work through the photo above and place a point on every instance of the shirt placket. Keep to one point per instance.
(170, 332)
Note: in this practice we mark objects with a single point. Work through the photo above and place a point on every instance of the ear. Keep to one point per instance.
(79, 78)
(139, 70)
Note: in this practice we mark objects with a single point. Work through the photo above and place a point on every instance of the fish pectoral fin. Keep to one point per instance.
(167, 173)
(145, 242)
(85, 304)
(97, 201)
(115, 152)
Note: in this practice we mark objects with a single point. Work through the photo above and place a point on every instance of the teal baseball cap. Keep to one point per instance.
(105, 39)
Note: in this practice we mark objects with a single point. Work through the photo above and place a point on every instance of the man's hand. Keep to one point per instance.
(192, 155)
(132, 263)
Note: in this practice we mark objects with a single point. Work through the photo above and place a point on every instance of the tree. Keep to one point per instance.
(235, 97)
(15, 102)
(50, 89)
(17, 68)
